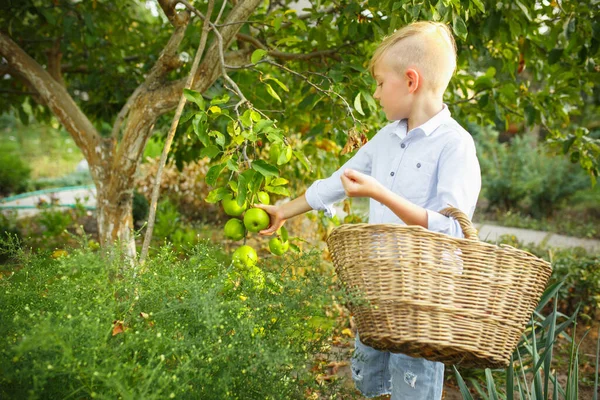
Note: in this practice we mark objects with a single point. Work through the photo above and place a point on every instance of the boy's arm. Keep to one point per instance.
(357, 184)
(321, 194)
(279, 214)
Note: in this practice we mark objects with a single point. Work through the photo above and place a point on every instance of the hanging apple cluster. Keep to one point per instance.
(239, 174)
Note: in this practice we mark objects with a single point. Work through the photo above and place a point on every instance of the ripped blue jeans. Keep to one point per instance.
(376, 373)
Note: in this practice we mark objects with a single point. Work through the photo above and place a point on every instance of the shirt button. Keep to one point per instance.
(403, 145)
(392, 173)
(418, 165)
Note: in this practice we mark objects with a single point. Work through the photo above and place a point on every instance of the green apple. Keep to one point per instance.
(231, 207)
(277, 247)
(244, 257)
(234, 229)
(256, 219)
(263, 197)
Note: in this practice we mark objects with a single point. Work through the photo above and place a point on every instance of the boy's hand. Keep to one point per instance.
(357, 184)
(276, 215)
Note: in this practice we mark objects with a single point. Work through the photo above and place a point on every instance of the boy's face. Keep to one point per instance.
(392, 90)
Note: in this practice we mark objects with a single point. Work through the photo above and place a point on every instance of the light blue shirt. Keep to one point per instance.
(433, 166)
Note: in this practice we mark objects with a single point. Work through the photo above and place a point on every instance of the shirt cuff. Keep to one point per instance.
(437, 222)
(315, 201)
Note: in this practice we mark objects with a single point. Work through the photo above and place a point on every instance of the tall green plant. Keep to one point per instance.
(531, 371)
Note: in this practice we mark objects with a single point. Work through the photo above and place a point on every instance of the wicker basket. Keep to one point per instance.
(430, 295)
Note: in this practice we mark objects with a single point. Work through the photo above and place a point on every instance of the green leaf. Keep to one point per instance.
(219, 138)
(234, 128)
(272, 92)
(210, 151)
(48, 15)
(277, 23)
(255, 116)
(483, 82)
(369, 99)
(459, 27)
(199, 125)
(258, 55)
(277, 190)
(483, 100)
(194, 97)
(284, 234)
(299, 24)
(255, 181)
(295, 248)
(510, 383)
(277, 81)
(186, 116)
(491, 385)
(285, 155)
(215, 109)
(262, 125)
(479, 5)
(461, 385)
(524, 9)
(555, 55)
(288, 41)
(246, 119)
(232, 165)
(530, 114)
(358, 105)
(264, 168)
(303, 160)
(220, 100)
(279, 182)
(216, 195)
(213, 174)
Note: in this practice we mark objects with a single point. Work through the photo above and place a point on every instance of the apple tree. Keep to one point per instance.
(281, 95)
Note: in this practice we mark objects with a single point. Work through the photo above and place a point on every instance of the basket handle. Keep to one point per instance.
(465, 223)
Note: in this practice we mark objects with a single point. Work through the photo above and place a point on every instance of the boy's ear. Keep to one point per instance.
(413, 80)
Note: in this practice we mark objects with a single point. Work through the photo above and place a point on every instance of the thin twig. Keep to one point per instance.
(220, 13)
(243, 22)
(163, 158)
(328, 92)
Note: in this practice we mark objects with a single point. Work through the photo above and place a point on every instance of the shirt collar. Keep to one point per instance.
(427, 128)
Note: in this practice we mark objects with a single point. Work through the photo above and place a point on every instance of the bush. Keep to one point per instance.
(523, 176)
(14, 173)
(580, 273)
(80, 326)
(577, 269)
(186, 188)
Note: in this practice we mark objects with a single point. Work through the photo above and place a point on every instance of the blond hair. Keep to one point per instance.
(427, 46)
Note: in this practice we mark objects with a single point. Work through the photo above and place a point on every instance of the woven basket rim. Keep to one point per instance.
(425, 231)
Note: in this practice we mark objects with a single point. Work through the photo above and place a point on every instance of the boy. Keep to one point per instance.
(415, 166)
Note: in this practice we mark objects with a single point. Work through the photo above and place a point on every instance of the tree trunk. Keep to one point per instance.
(114, 194)
(115, 221)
